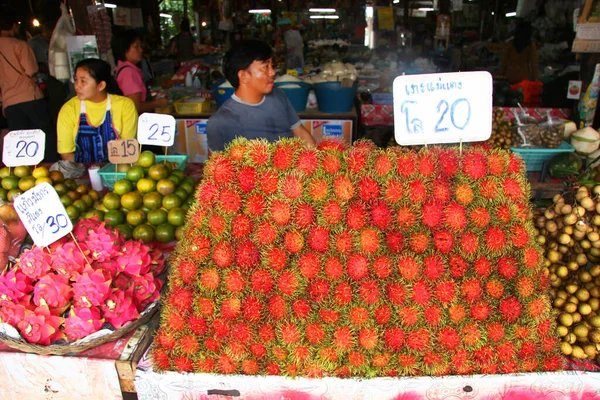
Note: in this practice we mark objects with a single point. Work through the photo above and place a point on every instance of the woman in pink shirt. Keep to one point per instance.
(127, 50)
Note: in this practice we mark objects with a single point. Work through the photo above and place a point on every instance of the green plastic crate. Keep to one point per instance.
(534, 158)
(109, 174)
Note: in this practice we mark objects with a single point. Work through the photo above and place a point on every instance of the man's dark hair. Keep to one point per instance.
(7, 19)
(185, 25)
(121, 42)
(522, 36)
(241, 55)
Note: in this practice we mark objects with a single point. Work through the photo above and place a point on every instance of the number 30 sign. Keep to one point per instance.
(443, 108)
(24, 148)
(156, 129)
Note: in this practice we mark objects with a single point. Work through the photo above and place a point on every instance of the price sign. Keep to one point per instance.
(24, 148)
(443, 108)
(123, 151)
(156, 129)
(43, 214)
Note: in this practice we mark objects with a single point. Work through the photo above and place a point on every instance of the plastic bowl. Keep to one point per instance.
(298, 96)
(222, 94)
(332, 98)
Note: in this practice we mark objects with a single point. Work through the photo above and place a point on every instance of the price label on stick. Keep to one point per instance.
(123, 151)
(156, 129)
(43, 215)
(443, 108)
(24, 147)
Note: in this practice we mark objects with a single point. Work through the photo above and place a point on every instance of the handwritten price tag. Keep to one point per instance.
(443, 108)
(156, 129)
(123, 151)
(43, 214)
(24, 147)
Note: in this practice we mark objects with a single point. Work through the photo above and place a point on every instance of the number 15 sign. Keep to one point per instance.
(443, 108)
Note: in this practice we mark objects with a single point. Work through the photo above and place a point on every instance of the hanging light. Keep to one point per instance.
(36, 23)
(260, 11)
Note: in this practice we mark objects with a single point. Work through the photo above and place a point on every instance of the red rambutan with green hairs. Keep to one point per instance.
(315, 333)
(433, 315)
(358, 316)
(482, 267)
(432, 213)
(343, 188)
(188, 344)
(382, 267)
(294, 242)
(272, 369)
(205, 306)
(357, 160)
(318, 239)
(277, 307)
(318, 290)
(383, 314)
(417, 191)
(488, 189)
(474, 164)
(396, 293)
(318, 189)
(161, 359)
(510, 309)
(368, 338)
(261, 281)
(181, 299)
(395, 241)
(283, 155)
(301, 353)
(258, 152)
(332, 212)
(519, 236)
(343, 338)
(269, 182)
(463, 193)
(480, 217)
(525, 287)
(266, 333)
(183, 364)
(221, 329)
(288, 283)
(409, 268)
(507, 267)
(494, 288)
(220, 170)
(329, 317)
(418, 340)
(369, 241)
(394, 338)
(331, 163)
(427, 164)
(448, 162)
(394, 191)
(455, 217)
(419, 242)
(241, 226)
(231, 308)
(165, 339)
(255, 204)
(187, 270)
(495, 331)
(382, 361)
(513, 189)
(356, 216)
(357, 266)
(216, 224)
(250, 367)
(175, 321)
(496, 164)
(441, 190)
(246, 178)
(405, 217)
(408, 315)
(406, 164)
(247, 255)
(407, 363)
(367, 189)
(307, 162)
(304, 216)
(331, 144)
(276, 259)
(469, 243)
(301, 308)
(291, 186)
(258, 350)
(281, 212)
(481, 310)
(266, 233)
(356, 359)
(252, 309)
(223, 254)
(198, 324)
(445, 292)
(226, 364)
(531, 257)
(369, 292)
(457, 313)
(207, 193)
(504, 214)
(495, 239)
(383, 165)
(470, 334)
(344, 242)
(471, 290)
(421, 293)
(334, 269)
(309, 265)
(457, 265)
(434, 267)
(538, 307)
(448, 338)
(443, 241)
(289, 334)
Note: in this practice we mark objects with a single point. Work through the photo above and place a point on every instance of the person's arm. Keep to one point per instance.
(129, 119)
(146, 106)
(66, 131)
(534, 64)
(301, 132)
(68, 157)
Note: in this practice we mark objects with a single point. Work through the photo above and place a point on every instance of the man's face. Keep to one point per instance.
(260, 76)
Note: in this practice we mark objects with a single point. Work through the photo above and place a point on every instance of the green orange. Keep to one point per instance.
(164, 233)
(144, 232)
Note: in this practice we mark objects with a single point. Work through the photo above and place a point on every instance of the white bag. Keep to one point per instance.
(58, 60)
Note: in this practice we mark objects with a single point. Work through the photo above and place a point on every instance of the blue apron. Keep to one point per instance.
(91, 143)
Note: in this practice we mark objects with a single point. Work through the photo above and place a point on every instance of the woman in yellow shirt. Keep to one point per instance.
(88, 121)
(520, 61)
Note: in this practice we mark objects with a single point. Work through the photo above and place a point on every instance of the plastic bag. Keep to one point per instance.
(551, 132)
(58, 60)
(526, 131)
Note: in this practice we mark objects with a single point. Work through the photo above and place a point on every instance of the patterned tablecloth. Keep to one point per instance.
(151, 385)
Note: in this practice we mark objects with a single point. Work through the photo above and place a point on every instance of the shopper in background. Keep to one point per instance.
(40, 44)
(22, 100)
(520, 61)
(88, 121)
(182, 45)
(127, 49)
(294, 47)
(257, 109)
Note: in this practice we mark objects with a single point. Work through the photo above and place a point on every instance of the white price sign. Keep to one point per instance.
(24, 147)
(43, 214)
(156, 129)
(443, 108)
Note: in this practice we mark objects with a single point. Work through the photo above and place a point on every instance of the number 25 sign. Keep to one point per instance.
(24, 147)
(156, 129)
(443, 108)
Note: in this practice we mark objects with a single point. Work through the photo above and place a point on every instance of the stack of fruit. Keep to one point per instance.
(150, 203)
(501, 135)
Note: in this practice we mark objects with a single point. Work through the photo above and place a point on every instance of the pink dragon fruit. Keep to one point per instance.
(35, 262)
(134, 259)
(119, 308)
(102, 243)
(68, 260)
(14, 286)
(123, 282)
(12, 314)
(91, 288)
(83, 227)
(82, 322)
(40, 326)
(109, 267)
(158, 262)
(52, 290)
(146, 289)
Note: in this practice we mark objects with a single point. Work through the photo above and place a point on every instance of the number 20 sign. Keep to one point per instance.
(156, 129)
(443, 108)
(24, 148)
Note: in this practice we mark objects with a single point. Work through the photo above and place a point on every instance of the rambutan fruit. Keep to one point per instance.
(305, 216)
(289, 334)
(445, 291)
(471, 290)
(181, 299)
(382, 361)
(406, 164)
(417, 191)
(455, 217)
(356, 160)
(538, 307)
(293, 242)
(288, 283)
(432, 213)
(241, 226)
(447, 160)
(457, 265)
(496, 164)
(488, 189)
(309, 265)
(255, 204)
(482, 267)
(318, 239)
(441, 190)
(161, 359)
(276, 259)
(419, 242)
(258, 152)
(226, 364)
(216, 224)
(513, 189)
(258, 350)
(495, 239)
(469, 243)
(250, 367)
(301, 309)
(315, 333)
(205, 306)
(334, 269)
(396, 293)
(381, 215)
(200, 248)
(277, 307)
(198, 324)
(344, 242)
(369, 292)
(408, 315)
(261, 281)
(407, 362)
(241, 332)
(291, 186)
(507, 267)
(511, 309)
(481, 310)
(266, 333)
(318, 290)
(394, 191)
(357, 266)
(331, 163)
(383, 314)
(329, 317)
(494, 288)
(358, 316)
(495, 331)
(332, 212)
(187, 271)
(356, 359)
(269, 182)
(356, 216)
(525, 287)
(165, 339)
(405, 217)
(408, 267)
(207, 193)
(175, 321)
(343, 188)
(368, 338)
(418, 340)
(283, 156)
(231, 308)
(427, 164)
(369, 241)
(531, 257)
(301, 353)
(434, 267)
(382, 165)
(505, 351)
(433, 315)
(343, 294)
(457, 313)
(221, 329)
(382, 267)
(554, 362)
(421, 293)
(318, 189)
(503, 213)
(343, 339)
(480, 217)
(470, 334)
(443, 241)
(246, 178)
(281, 212)
(307, 162)
(448, 338)
(188, 344)
(463, 193)
(223, 254)
(484, 354)
(247, 255)
(272, 369)
(183, 364)
(519, 236)
(252, 309)
(220, 170)
(474, 164)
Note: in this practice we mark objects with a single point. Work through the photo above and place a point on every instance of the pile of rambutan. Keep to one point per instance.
(358, 262)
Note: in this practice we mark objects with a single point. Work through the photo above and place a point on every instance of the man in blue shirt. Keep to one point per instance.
(257, 109)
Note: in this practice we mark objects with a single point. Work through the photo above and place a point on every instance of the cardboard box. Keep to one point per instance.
(331, 129)
(191, 139)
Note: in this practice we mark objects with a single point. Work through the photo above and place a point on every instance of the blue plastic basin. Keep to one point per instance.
(222, 94)
(297, 96)
(332, 98)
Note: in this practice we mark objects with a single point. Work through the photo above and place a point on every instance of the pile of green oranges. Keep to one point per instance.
(151, 202)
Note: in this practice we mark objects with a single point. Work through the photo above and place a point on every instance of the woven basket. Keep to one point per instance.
(61, 350)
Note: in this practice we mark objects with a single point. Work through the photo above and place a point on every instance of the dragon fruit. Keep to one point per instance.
(158, 262)
(14, 286)
(40, 326)
(68, 260)
(119, 308)
(35, 262)
(146, 289)
(12, 314)
(102, 243)
(91, 288)
(52, 290)
(134, 259)
(82, 322)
